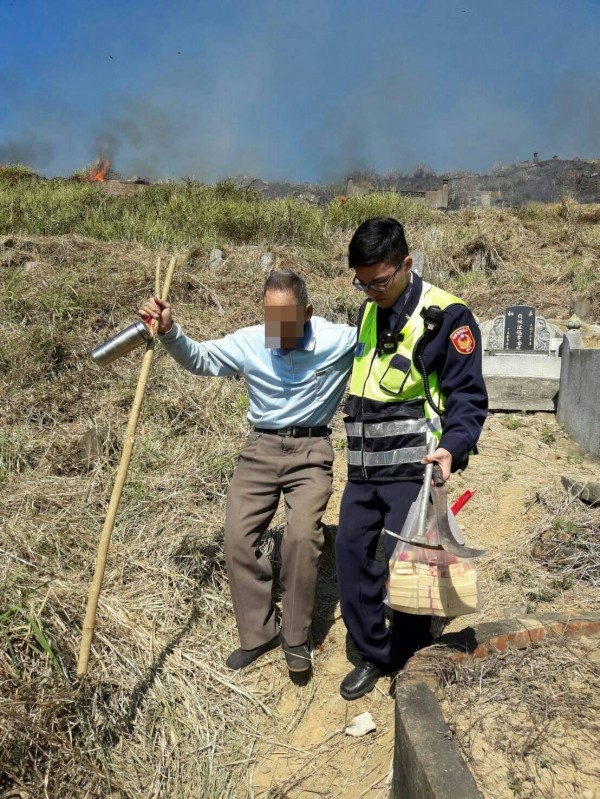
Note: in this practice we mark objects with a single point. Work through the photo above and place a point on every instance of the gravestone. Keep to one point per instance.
(517, 371)
(519, 327)
(583, 308)
(266, 261)
(215, 259)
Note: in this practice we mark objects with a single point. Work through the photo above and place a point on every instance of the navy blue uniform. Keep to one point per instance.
(454, 353)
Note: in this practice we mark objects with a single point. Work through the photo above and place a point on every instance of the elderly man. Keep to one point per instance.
(296, 367)
(416, 377)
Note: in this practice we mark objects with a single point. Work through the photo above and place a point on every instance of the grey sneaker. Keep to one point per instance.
(241, 658)
(298, 658)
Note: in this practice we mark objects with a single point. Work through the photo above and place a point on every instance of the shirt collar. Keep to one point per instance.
(403, 299)
(308, 343)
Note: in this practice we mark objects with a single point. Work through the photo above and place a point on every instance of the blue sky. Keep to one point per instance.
(301, 91)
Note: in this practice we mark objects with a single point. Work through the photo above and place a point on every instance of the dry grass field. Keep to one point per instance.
(158, 715)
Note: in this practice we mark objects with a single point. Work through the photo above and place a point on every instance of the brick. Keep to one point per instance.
(519, 639)
(537, 633)
(578, 627)
(500, 642)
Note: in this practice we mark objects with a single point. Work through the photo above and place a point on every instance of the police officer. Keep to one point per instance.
(416, 374)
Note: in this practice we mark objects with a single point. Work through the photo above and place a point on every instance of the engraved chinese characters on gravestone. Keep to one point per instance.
(495, 337)
(519, 327)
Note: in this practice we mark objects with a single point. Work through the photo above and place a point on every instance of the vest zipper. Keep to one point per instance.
(362, 417)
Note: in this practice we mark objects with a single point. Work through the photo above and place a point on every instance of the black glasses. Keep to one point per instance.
(376, 286)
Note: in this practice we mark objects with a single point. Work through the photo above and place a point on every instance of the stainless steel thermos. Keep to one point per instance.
(123, 342)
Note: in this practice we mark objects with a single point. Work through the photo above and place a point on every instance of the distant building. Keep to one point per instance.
(436, 199)
(479, 199)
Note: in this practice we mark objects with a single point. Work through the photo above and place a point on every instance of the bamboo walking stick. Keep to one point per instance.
(89, 622)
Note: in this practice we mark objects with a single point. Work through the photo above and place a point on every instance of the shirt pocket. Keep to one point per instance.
(322, 380)
(393, 379)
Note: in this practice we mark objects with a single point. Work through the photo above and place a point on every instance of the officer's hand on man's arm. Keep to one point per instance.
(160, 310)
(443, 457)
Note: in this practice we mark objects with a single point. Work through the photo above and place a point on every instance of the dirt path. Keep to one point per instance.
(306, 752)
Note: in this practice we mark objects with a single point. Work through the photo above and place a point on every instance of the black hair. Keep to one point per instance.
(287, 281)
(377, 239)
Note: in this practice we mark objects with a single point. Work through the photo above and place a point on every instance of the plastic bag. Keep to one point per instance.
(431, 535)
(424, 579)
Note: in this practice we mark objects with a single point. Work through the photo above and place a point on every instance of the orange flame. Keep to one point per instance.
(99, 170)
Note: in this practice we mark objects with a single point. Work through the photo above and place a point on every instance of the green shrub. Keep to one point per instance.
(348, 215)
(177, 215)
(514, 424)
(13, 174)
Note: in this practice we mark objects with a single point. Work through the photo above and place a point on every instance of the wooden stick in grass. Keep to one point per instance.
(157, 277)
(89, 622)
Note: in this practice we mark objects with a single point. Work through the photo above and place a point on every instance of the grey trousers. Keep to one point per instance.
(268, 466)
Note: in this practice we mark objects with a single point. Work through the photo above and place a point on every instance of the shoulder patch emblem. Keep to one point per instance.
(463, 340)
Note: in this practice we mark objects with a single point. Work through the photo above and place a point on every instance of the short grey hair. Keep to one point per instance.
(287, 281)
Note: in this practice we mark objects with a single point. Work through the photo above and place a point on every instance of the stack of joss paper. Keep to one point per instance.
(426, 579)
(432, 582)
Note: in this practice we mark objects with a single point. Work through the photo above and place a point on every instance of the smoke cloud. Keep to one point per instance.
(33, 152)
(304, 92)
(136, 140)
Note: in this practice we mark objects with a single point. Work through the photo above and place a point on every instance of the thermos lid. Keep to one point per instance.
(144, 329)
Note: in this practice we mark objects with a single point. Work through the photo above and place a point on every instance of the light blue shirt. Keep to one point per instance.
(300, 387)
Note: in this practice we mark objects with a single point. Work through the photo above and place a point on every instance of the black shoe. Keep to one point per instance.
(244, 657)
(361, 680)
(298, 658)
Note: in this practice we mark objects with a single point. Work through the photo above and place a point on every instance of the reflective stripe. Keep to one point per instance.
(354, 429)
(393, 428)
(390, 458)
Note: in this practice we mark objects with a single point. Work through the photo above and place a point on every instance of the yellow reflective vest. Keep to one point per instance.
(389, 439)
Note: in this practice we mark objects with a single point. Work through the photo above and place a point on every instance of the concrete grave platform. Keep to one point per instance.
(524, 382)
(521, 363)
(578, 410)
(427, 761)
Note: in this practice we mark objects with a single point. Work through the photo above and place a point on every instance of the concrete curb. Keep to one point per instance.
(427, 762)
